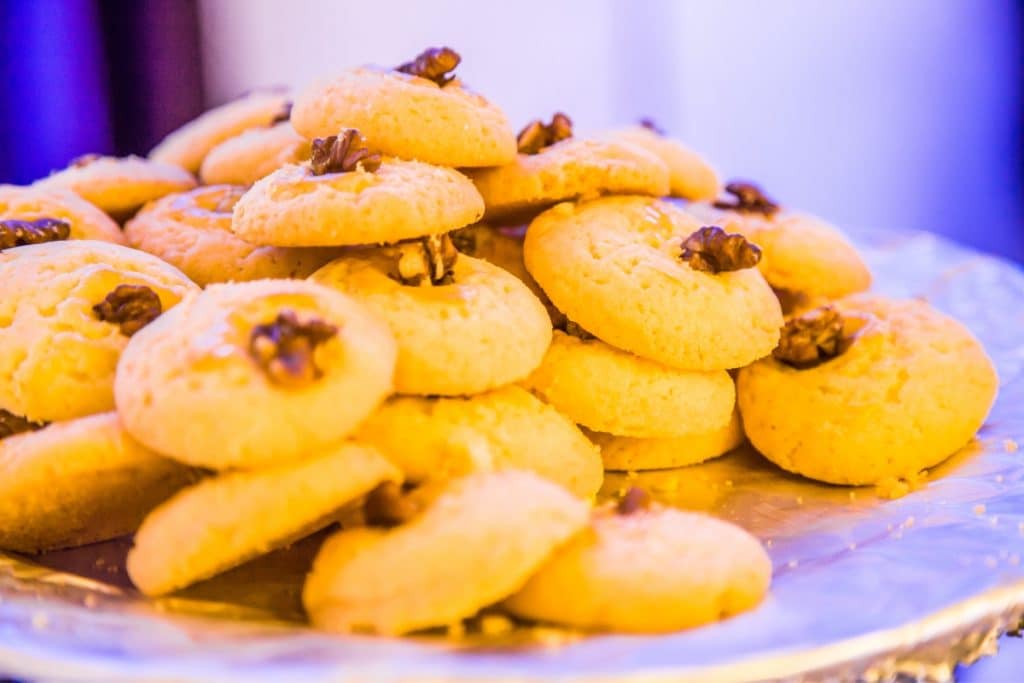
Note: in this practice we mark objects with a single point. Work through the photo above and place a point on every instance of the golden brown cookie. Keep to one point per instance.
(119, 185)
(254, 374)
(192, 231)
(231, 518)
(647, 570)
(639, 274)
(478, 328)
(36, 204)
(431, 438)
(866, 390)
(430, 117)
(258, 152)
(475, 544)
(689, 175)
(67, 309)
(188, 146)
(79, 481)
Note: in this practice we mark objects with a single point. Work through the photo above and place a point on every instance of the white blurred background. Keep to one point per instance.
(901, 114)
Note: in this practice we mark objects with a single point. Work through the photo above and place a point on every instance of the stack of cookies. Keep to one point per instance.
(380, 308)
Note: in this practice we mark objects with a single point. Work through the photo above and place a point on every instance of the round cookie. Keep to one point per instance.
(482, 330)
(908, 387)
(119, 185)
(574, 168)
(475, 544)
(188, 146)
(292, 207)
(79, 481)
(800, 254)
(408, 117)
(647, 571)
(430, 438)
(192, 231)
(251, 374)
(245, 158)
(64, 321)
(86, 222)
(623, 453)
(608, 390)
(231, 518)
(614, 266)
(689, 175)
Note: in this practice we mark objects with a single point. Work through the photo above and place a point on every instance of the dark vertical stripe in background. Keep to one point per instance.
(109, 76)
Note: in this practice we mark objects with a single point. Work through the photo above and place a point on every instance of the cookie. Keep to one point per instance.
(800, 254)
(295, 207)
(572, 168)
(647, 570)
(618, 267)
(192, 231)
(689, 175)
(608, 390)
(475, 544)
(426, 117)
(258, 152)
(478, 329)
(67, 310)
(623, 453)
(253, 374)
(119, 185)
(79, 481)
(231, 518)
(188, 146)
(34, 204)
(430, 438)
(866, 390)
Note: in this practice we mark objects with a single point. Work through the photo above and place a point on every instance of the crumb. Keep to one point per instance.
(853, 495)
(495, 624)
(1010, 446)
(979, 509)
(768, 543)
(908, 522)
(90, 601)
(549, 637)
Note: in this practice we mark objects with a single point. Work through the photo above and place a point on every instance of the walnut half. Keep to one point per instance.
(130, 306)
(284, 348)
(713, 250)
(434, 64)
(19, 233)
(538, 135)
(342, 153)
(11, 424)
(815, 337)
(748, 199)
(427, 259)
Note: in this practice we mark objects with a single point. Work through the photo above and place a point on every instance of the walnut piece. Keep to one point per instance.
(464, 240)
(650, 125)
(284, 348)
(427, 259)
(748, 199)
(713, 250)
(84, 160)
(434, 64)
(537, 135)
(18, 233)
(11, 424)
(388, 506)
(815, 337)
(342, 153)
(284, 114)
(635, 499)
(130, 306)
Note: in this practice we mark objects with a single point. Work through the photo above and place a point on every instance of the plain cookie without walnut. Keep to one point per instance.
(477, 543)
(231, 518)
(614, 266)
(205, 384)
(192, 231)
(431, 438)
(689, 175)
(408, 117)
(59, 353)
(258, 152)
(651, 571)
(912, 387)
(79, 481)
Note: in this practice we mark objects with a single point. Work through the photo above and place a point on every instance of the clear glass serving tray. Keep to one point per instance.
(864, 587)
